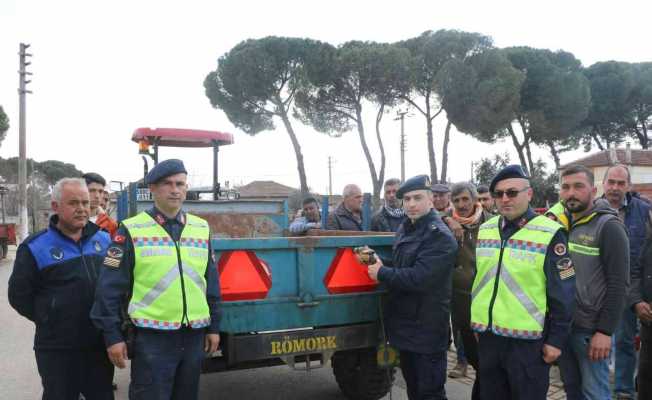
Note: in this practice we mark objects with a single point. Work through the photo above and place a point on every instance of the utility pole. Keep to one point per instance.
(22, 140)
(401, 116)
(330, 175)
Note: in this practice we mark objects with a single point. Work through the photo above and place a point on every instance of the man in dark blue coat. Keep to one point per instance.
(53, 285)
(418, 278)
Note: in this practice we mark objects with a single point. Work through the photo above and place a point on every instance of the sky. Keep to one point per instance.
(103, 69)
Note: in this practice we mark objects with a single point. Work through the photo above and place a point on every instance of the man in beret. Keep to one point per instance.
(522, 294)
(96, 184)
(160, 266)
(418, 279)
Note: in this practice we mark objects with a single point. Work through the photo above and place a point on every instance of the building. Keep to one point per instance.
(265, 190)
(638, 161)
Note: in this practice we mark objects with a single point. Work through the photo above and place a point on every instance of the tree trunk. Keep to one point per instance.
(595, 138)
(528, 152)
(555, 153)
(297, 148)
(381, 173)
(518, 146)
(365, 149)
(444, 156)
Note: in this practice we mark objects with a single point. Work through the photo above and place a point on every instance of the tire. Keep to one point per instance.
(358, 375)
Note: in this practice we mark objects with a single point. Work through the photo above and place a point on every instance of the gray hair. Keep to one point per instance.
(350, 189)
(58, 187)
(460, 187)
(392, 182)
(623, 166)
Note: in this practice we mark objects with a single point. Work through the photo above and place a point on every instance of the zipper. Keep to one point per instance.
(496, 281)
(81, 255)
(184, 317)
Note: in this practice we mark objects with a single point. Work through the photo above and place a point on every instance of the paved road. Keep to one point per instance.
(19, 378)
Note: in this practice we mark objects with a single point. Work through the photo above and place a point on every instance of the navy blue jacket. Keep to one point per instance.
(637, 218)
(53, 285)
(115, 283)
(419, 283)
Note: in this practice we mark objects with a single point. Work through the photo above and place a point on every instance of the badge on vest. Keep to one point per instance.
(114, 252)
(98, 246)
(119, 239)
(566, 269)
(111, 262)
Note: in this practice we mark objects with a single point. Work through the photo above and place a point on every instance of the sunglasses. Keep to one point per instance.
(511, 193)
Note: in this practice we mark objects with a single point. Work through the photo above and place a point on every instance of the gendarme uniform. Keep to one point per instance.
(521, 299)
(164, 270)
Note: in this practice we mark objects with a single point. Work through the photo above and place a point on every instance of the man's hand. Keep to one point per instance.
(211, 342)
(600, 347)
(644, 311)
(550, 353)
(456, 228)
(372, 270)
(118, 354)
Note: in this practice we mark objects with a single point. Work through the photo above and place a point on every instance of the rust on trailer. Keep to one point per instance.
(241, 225)
(321, 232)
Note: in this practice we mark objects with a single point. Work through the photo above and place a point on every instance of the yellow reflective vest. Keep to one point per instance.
(509, 289)
(169, 288)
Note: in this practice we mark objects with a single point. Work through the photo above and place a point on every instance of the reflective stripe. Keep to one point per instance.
(586, 250)
(156, 291)
(485, 279)
(521, 296)
(488, 225)
(192, 274)
(540, 228)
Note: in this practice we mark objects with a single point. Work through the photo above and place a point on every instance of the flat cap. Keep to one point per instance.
(509, 172)
(419, 182)
(93, 177)
(440, 188)
(165, 169)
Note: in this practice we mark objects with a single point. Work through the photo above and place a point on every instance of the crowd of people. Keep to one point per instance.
(514, 290)
(525, 291)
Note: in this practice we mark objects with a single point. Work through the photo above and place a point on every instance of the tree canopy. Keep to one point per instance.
(4, 124)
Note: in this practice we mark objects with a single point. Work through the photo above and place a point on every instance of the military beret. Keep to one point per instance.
(92, 177)
(419, 182)
(509, 172)
(440, 188)
(165, 169)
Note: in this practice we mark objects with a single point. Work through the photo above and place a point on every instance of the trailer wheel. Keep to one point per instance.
(358, 375)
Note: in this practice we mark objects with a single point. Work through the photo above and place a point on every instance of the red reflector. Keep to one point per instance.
(347, 275)
(243, 276)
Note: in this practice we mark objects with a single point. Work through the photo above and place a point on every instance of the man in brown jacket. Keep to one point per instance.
(469, 213)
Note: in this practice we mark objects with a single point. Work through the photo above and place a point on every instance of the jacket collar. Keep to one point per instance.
(88, 230)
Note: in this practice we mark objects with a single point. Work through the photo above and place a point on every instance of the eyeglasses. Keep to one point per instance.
(511, 193)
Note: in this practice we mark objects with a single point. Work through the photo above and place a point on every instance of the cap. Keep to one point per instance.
(165, 169)
(419, 182)
(440, 188)
(93, 177)
(509, 172)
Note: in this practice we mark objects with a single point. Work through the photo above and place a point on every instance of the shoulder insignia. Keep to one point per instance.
(560, 249)
(114, 252)
(111, 262)
(119, 239)
(98, 246)
(434, 227)
(565, 268)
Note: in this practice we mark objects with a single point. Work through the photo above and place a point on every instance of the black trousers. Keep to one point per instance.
(512, 368)
(65, 374)
(645, 363)
(461, 318)
(425, 375)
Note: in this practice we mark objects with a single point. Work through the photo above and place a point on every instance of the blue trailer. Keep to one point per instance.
(300, 301)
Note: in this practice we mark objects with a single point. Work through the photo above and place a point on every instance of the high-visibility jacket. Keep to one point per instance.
(169, 284)
(509, 290)
(558, 213)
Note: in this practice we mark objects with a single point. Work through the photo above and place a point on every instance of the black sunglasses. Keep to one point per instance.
(511, 193)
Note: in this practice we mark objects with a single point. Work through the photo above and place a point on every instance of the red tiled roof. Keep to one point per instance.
(602, 159)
